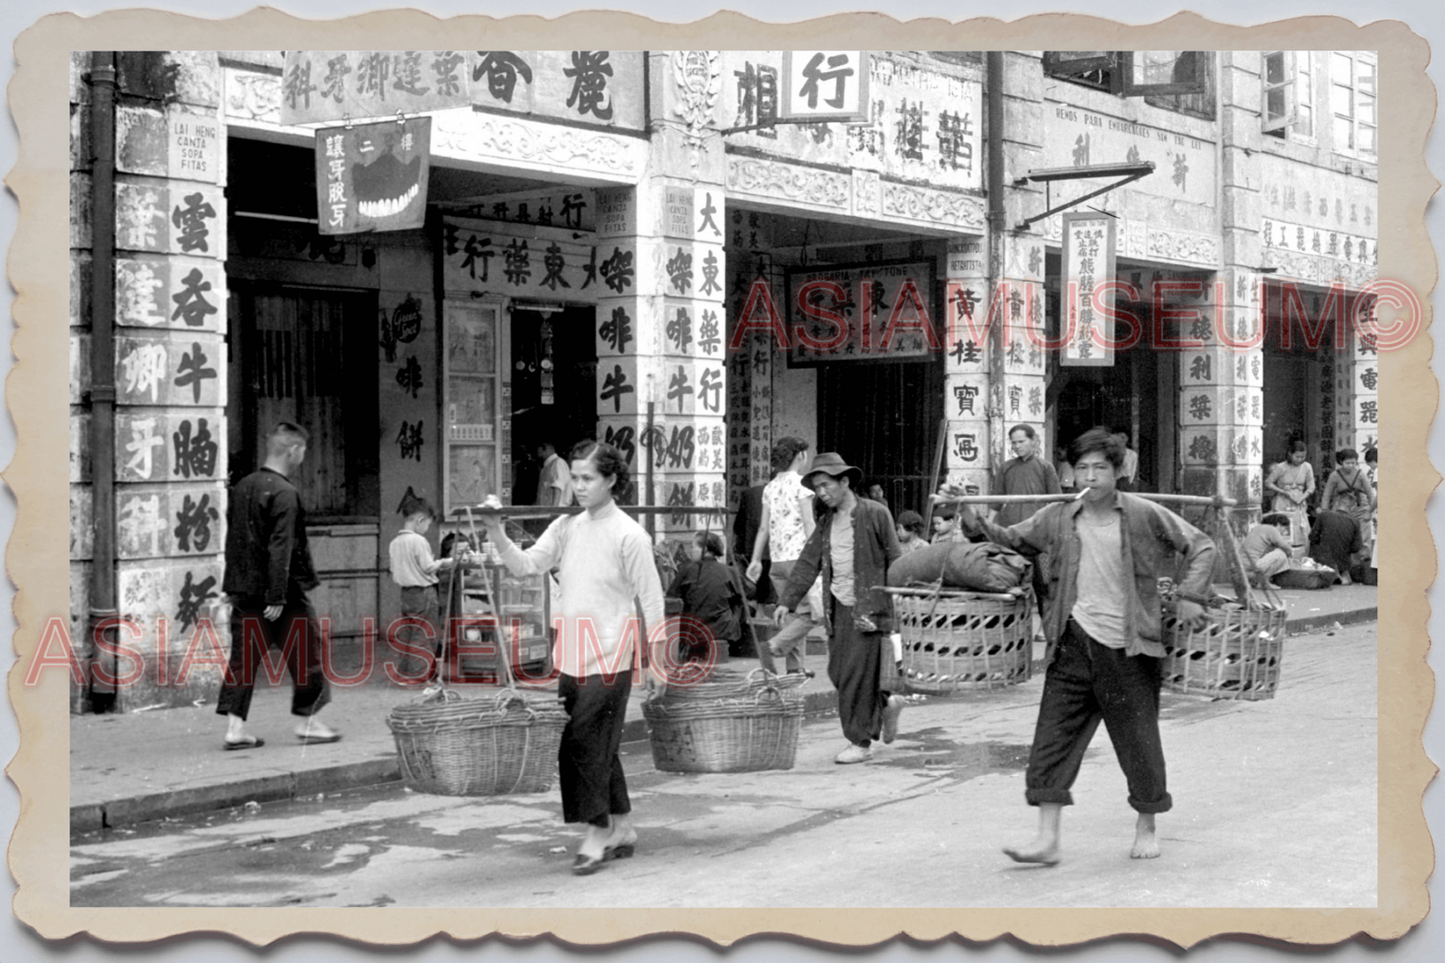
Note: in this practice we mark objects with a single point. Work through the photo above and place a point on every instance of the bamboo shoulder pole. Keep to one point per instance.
(1204, 500)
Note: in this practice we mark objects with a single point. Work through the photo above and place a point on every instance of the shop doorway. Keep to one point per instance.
(307, 355)
(884, 418)
(554, 375)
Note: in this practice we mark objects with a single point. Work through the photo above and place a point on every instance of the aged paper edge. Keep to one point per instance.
(37, 561)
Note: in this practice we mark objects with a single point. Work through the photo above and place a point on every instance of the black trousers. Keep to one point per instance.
(296, 633)
(855, 671)
(1088, 682)
(590, 769)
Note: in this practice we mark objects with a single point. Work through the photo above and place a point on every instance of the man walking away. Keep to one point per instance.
(852, 546)
(1103, 628)
(268, 573)
(786, 524)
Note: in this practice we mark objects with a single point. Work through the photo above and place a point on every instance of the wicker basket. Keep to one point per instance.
(756, 680)
(451, 746)
(745, 733)
(956, 641)
(1236, 655)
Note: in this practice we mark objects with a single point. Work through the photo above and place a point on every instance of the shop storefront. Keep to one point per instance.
(690, 254)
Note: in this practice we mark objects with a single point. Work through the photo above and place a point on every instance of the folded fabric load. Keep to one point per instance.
(973, 566)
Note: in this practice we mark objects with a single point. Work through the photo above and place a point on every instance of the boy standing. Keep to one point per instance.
(1103, 626)
(414, 570)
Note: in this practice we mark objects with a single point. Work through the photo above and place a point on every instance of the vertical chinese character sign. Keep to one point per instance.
(825, 85)
(372, 177)
(1088, 256)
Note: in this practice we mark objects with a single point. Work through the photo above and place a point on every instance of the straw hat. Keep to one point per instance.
(832, 463)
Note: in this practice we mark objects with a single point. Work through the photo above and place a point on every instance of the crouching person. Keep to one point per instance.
(1106, 552)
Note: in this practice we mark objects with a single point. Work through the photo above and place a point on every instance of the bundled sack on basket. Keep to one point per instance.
(971, 566)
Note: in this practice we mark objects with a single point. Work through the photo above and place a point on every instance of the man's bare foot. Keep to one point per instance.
(1042, 850)
(1146, 844)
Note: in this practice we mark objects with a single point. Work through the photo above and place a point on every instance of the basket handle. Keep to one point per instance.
(758, 696)
(509, 695)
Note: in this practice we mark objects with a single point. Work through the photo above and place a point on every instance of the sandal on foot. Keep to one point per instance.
(245, 742)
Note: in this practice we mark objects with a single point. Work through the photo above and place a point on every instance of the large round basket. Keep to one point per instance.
(1236, 655)
(745, 733)
(501, 744)
(735, 687)
(957, 641)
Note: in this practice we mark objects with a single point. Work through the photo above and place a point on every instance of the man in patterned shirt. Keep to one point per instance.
(784, 529)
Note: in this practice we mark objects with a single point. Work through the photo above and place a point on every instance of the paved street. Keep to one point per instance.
(1275, 805)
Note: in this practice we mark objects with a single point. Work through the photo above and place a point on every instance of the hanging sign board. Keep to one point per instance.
(372, 177)
(324, 86)
(862, 312)
(825, 85)
(1088, 257)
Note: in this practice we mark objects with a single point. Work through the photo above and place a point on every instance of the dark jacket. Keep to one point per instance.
(745, 533)
(709, 592)
(1152, 537)
(875, 547)
(267, 556)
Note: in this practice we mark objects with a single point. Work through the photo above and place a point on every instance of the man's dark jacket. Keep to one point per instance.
(267, 556)
(875, 547)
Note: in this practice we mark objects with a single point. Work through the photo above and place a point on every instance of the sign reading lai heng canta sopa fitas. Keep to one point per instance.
(373, 177)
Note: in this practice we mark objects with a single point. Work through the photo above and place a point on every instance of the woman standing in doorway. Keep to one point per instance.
(1293, 482)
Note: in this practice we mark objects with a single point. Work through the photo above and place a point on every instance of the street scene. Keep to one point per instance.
(500, 478)
(1257, 786)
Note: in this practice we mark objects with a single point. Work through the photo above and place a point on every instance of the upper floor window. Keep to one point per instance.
(1287, 100)
(1179, 80)
(1352, 103)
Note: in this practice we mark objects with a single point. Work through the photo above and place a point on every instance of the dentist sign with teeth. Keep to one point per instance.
(373, 177)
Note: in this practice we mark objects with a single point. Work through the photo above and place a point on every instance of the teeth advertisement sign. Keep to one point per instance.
(372, 177)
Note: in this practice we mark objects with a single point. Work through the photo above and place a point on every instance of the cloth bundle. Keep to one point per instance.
(972, 566)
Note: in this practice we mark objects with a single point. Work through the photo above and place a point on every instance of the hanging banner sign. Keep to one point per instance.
(372, 177)
(862, 312)
(1088, 256)
(321, 86)
(825, 85)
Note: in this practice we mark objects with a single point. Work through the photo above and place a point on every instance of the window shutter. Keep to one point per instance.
(1278, 107)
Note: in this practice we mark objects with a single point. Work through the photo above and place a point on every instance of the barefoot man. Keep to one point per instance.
(1108, 549)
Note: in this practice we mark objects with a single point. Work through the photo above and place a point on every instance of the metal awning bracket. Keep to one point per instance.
(1128, 173)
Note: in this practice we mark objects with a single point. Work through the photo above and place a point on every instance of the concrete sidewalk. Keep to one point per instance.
(144, 766)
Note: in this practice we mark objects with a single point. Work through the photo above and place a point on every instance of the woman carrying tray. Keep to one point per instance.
(604, 563)
(1107, 550)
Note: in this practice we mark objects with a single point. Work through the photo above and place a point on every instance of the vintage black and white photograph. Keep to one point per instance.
(550, 479)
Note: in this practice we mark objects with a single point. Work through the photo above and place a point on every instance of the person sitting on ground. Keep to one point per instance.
(1334, 540)
(1267, 545)
(710, 593)
(910, 532)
